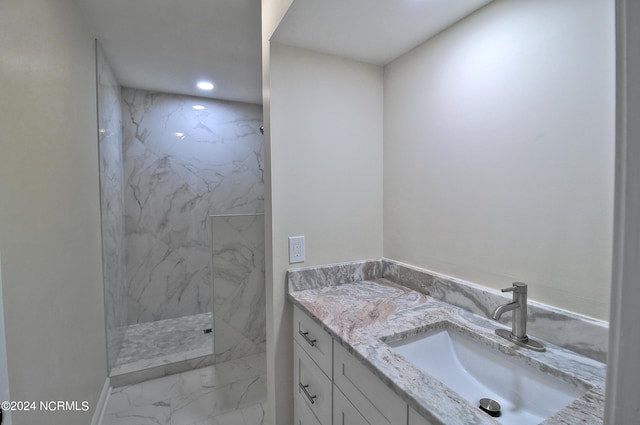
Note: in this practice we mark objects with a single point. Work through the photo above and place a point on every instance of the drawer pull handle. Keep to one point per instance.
(305, 335)
(304, 390)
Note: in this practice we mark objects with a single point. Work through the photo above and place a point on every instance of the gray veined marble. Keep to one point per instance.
(575, 332)
(333, 274)
(163, 347)
(238, 285)
(112, 205)
(363, 315)
(228, 393)
(180, 166)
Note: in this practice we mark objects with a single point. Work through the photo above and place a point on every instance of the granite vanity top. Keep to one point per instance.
(362, 315)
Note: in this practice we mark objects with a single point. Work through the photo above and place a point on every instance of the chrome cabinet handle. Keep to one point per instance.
(304, 390)
(305, 335)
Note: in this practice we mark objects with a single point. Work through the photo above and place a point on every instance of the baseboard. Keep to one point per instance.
(101, 406)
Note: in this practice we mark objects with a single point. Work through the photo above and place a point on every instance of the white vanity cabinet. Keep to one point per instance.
(315, 341)
(312, 359)
(344, 413)
(369, 395)
(332, 387)
(312, 390)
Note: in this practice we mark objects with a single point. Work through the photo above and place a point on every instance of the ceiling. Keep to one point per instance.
(372, 31)
(170, 45)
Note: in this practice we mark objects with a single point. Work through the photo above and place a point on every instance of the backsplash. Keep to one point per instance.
(333, 274)
(575, 332)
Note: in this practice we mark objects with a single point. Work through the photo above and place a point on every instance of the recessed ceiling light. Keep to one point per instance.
(178, 134)
(205, 85)
(198, 107)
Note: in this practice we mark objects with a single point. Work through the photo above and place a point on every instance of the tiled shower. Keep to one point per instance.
(182, 197)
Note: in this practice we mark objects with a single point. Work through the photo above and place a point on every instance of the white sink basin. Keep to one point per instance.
(526, 395)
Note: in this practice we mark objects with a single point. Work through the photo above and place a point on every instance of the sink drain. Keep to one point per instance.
(490, 407)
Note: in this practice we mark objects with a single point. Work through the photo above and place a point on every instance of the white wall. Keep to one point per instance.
(623, 373)
(4, 372)
(278, 398)
(326, 180)
(499, 145)
(50, 218)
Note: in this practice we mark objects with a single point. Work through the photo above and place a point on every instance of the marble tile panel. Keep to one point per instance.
(225, 393)
(255, 415)
(121, 378)
(232, 344)
(238, 285)
(180, 166)
(238, 369)
(252, 415)
(111, 205)
(204, 405)
(165, 347)
(156, 414)
(195, 362)
(172, 386)
(154, 390)
(162, 339)
(234, 417)
(142, 371)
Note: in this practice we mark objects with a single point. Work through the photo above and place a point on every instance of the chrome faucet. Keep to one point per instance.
(518, 332)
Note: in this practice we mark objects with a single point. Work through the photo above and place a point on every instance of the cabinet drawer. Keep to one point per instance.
(311, 386)
(343, 411)
(313, 339)
(302, 414)
(416, 419)
(370, 396)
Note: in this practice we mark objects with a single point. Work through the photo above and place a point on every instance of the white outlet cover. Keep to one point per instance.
(296, 249)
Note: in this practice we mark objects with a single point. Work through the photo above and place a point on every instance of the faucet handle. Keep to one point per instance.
(518, 287)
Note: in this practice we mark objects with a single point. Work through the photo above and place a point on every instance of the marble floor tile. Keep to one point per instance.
(232, 418)
(211, 402)
(233, 370)
(153, 414)
(155, 390)
(255, 414)
(228, 393)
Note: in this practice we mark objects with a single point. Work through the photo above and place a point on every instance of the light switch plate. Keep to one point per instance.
(296, 249)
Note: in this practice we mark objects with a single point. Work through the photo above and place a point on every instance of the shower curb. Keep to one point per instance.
(135, 373)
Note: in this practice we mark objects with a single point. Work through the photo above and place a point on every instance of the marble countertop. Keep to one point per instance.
(362, 315)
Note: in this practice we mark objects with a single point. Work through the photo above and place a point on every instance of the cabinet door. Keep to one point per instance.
(343, 411)
(302, 415)
(314, 340)
(371, 397)
(311, 386)
(416, 419)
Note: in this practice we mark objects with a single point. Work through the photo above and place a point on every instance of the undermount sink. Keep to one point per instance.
(474, 371)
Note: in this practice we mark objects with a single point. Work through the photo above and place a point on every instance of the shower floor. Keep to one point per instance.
(164, 347)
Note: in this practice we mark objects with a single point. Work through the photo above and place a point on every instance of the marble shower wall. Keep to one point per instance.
(182, 165)
(239, 316)
(112, 205)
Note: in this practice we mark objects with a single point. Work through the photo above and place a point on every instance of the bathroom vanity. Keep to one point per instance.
(351, 322)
